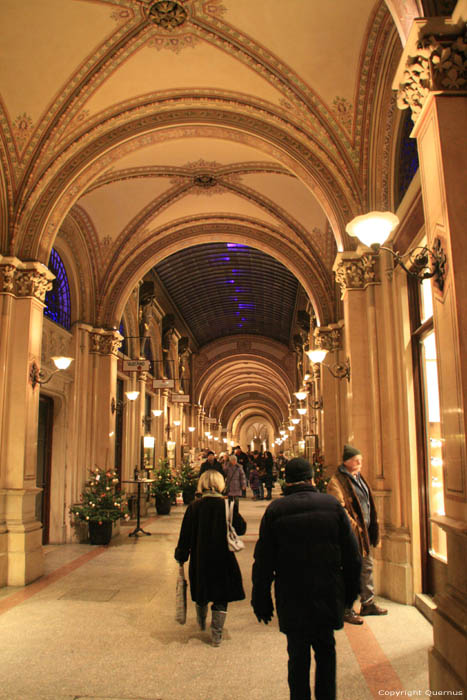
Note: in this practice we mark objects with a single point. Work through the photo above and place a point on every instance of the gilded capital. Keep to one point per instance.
(434, 59)
(105, 342)
(31, 279)
(355, 272)
(328, 338)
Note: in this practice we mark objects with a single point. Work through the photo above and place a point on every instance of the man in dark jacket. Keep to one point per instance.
(354, 494)
(307, 547)
(211, 463)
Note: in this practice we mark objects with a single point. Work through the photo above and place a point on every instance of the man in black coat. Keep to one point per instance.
(211, 463)
(307, 547)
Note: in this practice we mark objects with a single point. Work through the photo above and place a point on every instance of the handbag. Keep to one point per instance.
(180, 597)
(234, 542)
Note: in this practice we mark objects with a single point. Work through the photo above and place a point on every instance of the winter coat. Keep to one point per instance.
(340, 486)
(207, 465)
(254, 478)
(235, 480)
(213, 570)
(307, 547)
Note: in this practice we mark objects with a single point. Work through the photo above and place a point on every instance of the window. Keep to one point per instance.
(58, 299)
(124, 346)
(429, 439)
(407, 161)
(434, 461)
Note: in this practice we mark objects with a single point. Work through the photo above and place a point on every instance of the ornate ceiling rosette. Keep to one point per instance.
(167, 14)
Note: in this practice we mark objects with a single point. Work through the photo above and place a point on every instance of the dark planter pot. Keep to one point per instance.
(163, 504)
(188, 496)
(100, 533)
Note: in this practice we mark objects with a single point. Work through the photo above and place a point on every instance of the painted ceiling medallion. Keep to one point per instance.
(204, 180)
(167, 14)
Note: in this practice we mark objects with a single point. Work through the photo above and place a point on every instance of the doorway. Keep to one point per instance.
(44, 461)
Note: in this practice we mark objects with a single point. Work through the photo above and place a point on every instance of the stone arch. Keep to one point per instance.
(156, 248)
(70, 175)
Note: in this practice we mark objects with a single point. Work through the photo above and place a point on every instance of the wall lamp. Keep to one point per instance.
(374, 228)
(38, 376)
(191, 428)
(301, 395)
(118, 405)
(340, 370)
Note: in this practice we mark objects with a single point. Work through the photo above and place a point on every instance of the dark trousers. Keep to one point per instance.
(324, 647)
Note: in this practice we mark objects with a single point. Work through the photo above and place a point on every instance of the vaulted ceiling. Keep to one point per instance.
(161, 131)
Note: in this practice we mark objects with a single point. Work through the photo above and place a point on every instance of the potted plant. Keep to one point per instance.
(164, 488)
(187, 479)
(102, 503)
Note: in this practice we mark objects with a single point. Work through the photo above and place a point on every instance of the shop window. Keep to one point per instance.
(429, 438)
(407, 160)
(57, 301)
(434, 461)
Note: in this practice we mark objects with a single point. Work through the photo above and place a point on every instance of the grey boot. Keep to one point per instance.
(217, 624)
(201, 614)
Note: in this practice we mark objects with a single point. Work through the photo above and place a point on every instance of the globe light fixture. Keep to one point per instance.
(374, 228)
(177, 423)
(38, 376)
(301, 395)
(191, 428)
(302, 411)
(295, 421)
(157, 412)
(421, 262)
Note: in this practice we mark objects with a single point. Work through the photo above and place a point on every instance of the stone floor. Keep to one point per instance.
(100, 624)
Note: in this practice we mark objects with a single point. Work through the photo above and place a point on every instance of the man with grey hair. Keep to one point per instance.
(354, 494)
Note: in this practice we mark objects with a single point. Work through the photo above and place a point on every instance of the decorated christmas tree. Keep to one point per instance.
(101, 499)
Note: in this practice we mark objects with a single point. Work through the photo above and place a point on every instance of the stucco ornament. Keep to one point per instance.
(32, 283)
(436, 65)
(106, 343)
(327, 338)
(357, 273)
(167, 14)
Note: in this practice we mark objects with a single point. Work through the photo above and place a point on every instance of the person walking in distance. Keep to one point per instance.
(354, 494)
(307, 547)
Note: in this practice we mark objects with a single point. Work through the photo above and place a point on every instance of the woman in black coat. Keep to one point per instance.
(213, 570)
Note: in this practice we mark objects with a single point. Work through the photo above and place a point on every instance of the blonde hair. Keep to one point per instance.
(211, 480)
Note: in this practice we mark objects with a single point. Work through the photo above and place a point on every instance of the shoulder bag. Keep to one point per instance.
(234, 542)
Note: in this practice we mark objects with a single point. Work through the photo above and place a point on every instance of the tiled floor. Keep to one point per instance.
(100, 624)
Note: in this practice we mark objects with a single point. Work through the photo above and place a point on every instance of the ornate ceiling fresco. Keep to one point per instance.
(156, 128)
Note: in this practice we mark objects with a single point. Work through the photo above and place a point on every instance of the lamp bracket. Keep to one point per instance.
(340, 370)
(38, 376)
(424, 262)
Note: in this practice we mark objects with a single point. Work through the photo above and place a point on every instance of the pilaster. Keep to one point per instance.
(22, 292)
(432, 82)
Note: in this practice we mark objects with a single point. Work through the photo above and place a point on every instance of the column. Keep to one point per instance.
(22, 292)
(431, 81)
(331, 391)
(104, 345)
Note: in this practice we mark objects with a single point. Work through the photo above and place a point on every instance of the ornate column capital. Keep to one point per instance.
(105, 342)
(355, 271)
(24, 279)
(328, 337)
(434, 60)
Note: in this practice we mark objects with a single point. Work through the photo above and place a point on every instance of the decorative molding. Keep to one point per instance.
(328, 338)
(30, 279)
(435, 64)
(355, 272)
(105, 342)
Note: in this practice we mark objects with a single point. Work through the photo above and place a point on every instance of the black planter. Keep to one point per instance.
(188, 496)
(163, 505)
(100, 533)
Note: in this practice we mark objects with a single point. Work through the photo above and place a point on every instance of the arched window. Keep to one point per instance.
(407, 161)
(58, 306)
(124, 346)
